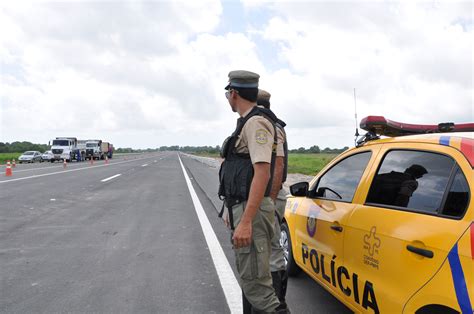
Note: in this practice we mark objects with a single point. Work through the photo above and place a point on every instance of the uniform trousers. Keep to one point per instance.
(253, 262)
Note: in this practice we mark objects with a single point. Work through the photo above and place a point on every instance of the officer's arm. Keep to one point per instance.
(277, 177)
(243, 233)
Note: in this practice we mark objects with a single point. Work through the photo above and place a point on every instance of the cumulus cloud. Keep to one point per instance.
(146, 74)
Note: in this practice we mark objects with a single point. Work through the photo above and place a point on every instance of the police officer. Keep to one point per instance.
(278, 195)
(245, 185)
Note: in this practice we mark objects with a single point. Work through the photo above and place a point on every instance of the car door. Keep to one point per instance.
(321, 217)
(399, 238)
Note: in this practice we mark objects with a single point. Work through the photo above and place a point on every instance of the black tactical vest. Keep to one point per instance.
(236, 172)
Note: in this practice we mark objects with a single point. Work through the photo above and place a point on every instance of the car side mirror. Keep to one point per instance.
(299, 189)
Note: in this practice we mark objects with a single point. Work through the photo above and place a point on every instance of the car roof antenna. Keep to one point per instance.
(355, 115)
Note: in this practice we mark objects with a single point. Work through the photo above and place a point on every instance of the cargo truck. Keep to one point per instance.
(97, 149)
(64, 148)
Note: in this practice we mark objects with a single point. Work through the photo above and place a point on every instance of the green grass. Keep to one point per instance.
(8, 156)
(309, 164)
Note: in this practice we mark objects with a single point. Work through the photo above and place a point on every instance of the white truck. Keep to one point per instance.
(64, 148)
(93, 149)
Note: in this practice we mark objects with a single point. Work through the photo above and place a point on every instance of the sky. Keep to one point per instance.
(150, 74)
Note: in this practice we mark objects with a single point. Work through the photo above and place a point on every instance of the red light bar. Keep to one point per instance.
(381, 126)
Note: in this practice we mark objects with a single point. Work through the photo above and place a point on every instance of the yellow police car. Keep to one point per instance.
(387, 227)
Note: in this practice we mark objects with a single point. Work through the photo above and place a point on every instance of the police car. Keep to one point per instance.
(387, 226)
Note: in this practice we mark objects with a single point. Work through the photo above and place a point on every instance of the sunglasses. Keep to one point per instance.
(227, 93)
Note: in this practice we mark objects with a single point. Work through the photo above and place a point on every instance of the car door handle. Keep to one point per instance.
(336, 228)
(420, 251)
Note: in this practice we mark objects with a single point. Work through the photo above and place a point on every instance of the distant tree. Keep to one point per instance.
(314, 149)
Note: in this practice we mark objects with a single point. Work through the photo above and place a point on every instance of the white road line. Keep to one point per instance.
(144, 165)
(72, 170)
(228, 281)
(110, 178)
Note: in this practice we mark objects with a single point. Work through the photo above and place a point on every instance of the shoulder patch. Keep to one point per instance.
(261, 136)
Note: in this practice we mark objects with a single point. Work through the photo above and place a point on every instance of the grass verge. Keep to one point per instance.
(8, 156)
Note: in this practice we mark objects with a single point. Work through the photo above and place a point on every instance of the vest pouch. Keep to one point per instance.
(225, 147)
(236, 176)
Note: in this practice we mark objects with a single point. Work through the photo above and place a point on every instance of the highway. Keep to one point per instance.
(137, 235)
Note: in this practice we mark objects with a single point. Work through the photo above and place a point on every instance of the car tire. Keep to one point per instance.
(285, 239)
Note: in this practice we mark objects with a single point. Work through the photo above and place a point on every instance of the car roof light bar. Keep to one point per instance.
(381, 126)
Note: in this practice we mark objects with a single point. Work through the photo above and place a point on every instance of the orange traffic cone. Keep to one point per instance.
(64, 164)
(8, 169)
(14, 163)
(106, 160)
(92, 160)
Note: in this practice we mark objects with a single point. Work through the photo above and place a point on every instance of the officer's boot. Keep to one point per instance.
(284, 285)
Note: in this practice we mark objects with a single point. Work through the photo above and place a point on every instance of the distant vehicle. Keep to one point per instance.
(93, 149)
(47, 155)
(81, 147)
(64, 148)
(107, 150)
(30, 156)
(97, 149)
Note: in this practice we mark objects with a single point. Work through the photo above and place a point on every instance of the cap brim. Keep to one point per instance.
(227, 87)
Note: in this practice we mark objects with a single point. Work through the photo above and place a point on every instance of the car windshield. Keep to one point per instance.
(60, 143)
(29, 153)
(48, 152)
(91, 145)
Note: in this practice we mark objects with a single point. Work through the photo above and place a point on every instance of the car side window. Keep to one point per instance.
(340, 182)
(457, 198)
(414, 180)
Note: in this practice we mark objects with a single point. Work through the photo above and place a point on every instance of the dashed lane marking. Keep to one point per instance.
(110, 178)
(144, 165)
(228, 281)
(66, 171)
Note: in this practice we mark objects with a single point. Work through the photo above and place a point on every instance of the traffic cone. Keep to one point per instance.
(64, 164)
(14, 163)
(8, 169)
(106, 160)
(92, 161)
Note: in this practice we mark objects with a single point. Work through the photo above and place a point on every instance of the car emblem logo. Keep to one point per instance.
(312, 220)
(371, 242)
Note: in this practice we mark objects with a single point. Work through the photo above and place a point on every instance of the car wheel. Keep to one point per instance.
(285, 241)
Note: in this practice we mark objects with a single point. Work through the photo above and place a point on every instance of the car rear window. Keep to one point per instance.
(457, 198)
(414, 180)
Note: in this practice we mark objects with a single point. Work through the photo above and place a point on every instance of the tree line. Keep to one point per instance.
(19, 147)
(216, 149)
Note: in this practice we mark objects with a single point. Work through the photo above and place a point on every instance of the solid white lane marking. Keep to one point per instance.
(144, 165)
(72, 170)
(229, 283)
(110, 178)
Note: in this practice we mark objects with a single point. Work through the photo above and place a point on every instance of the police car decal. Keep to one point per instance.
(460, 287)
(372, 245)
(464, 145)
(340, 277)
(312, 219)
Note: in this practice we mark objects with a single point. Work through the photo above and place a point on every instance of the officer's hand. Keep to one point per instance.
(242, 235)
(226, 220)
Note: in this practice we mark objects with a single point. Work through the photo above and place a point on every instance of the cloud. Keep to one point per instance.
(146, 74)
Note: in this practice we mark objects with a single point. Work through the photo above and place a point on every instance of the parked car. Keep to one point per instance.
(47, 156)
(388, 226)
(30, 156)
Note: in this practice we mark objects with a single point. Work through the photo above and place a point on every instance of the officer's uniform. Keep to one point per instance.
(253, 144)
(277, 258)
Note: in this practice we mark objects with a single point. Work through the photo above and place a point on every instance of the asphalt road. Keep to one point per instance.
(123, 237)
